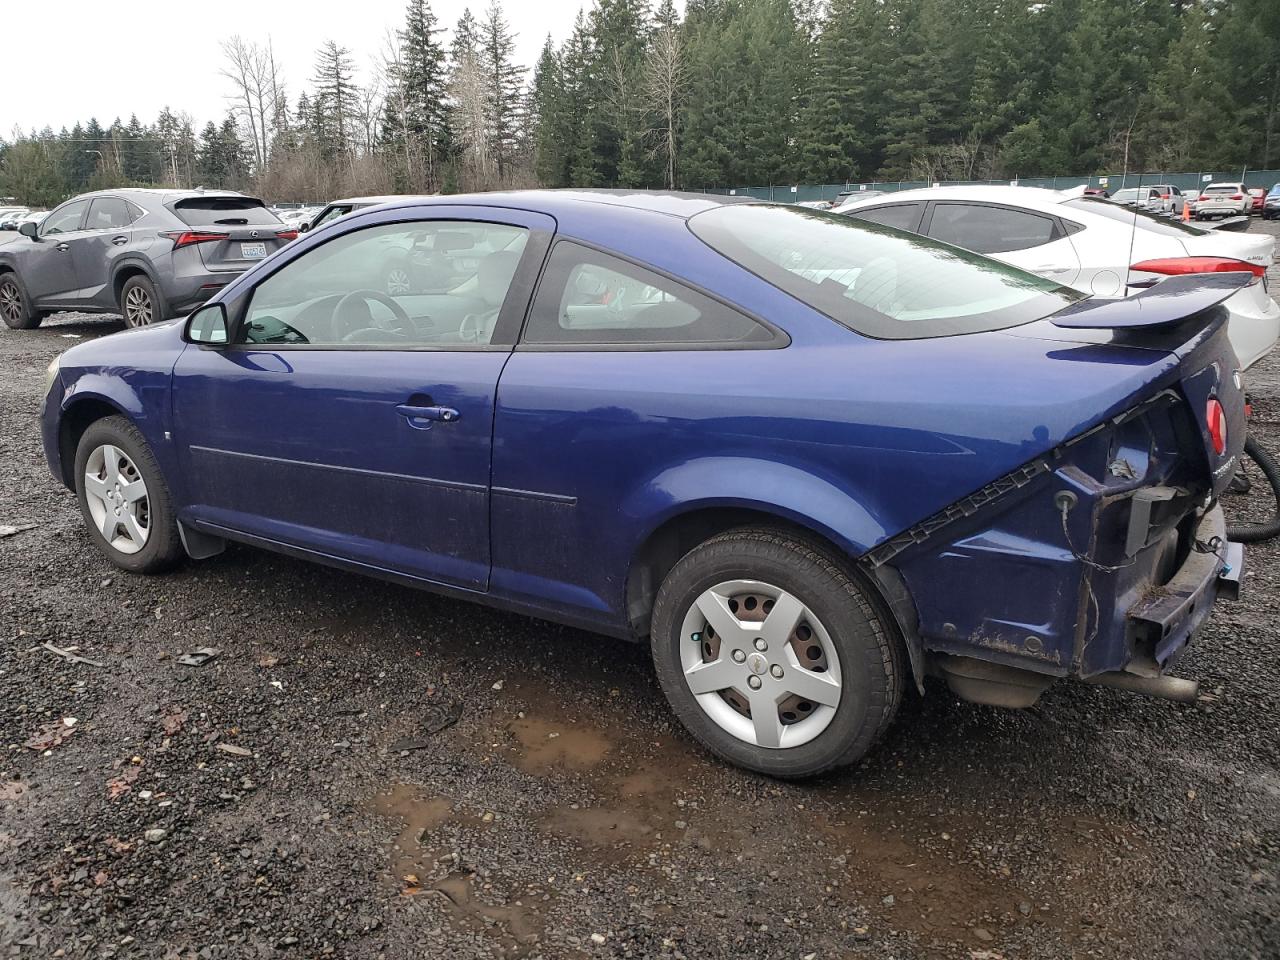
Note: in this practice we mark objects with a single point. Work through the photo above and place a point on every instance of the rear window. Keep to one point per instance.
(1133, 216)
(1223, 188)
(876, 280)
(224, 211)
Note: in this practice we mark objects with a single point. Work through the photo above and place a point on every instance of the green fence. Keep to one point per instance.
(797, 193)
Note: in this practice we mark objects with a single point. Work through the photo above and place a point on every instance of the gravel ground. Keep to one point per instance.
(367, 771)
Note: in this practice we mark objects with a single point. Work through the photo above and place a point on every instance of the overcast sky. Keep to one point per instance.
(68, 60)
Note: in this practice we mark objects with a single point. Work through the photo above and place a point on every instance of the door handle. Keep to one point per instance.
(412, 412)
(63, 247)
(119, 240)
(1051, 268)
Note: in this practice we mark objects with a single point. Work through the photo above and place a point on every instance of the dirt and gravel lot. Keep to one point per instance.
(367, 771)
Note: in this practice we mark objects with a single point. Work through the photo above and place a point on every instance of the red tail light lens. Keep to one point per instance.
(1237, 196)
(1215, 418)
(185, 238)
(1203, 197)
(286, 235)
(1164, 196)
(1175, 266)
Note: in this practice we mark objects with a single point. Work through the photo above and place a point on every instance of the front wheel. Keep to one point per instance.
(773, 656)
(124, 499)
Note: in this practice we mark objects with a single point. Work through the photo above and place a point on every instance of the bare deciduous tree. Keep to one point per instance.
(252, 70)
(663, 82)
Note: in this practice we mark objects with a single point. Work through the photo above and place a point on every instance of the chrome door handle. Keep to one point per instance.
(433, 413)
(119, 240)
(62, 247)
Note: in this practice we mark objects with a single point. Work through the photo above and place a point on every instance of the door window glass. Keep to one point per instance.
(989, 229)
(399, 286)
(64, 219)
(108, 213)
(333, 213)
(588, 297)
(902, 216)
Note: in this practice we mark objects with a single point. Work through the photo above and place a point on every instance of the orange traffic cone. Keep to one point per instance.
(1186, 211)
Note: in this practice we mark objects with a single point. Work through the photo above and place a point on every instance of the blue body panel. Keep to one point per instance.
(565, 462)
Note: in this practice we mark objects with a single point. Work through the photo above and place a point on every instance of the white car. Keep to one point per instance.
(1094, 245)
(1223, 200)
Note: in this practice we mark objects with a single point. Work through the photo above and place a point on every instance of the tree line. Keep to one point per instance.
(732, 92)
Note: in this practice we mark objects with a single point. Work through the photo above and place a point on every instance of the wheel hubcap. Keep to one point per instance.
(760, 664)
(137, 307)
(117, 499)
(10, 300)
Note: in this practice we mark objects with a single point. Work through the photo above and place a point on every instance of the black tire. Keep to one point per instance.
(15, 304)
(163, 547)
(871, 655)
(136, 296)
(1258, 532)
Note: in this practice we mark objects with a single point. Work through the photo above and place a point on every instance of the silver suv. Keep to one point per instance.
(146, 254)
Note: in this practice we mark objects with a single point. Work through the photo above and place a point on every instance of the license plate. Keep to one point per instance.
(253, 251)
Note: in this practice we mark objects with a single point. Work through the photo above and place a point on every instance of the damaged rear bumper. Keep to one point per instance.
(1165, 620)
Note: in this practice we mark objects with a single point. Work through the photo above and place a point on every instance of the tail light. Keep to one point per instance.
(1164, 196)
(185, 238)
(286, 235)
(1175, 266)
(1237, 196)
(1204, 196)
(1215, 418)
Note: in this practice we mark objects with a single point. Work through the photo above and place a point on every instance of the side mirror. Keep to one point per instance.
(28, 229)
(207, 326)
(303, 227)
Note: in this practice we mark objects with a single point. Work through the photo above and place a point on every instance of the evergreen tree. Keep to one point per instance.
(333, 104)
(502, 81)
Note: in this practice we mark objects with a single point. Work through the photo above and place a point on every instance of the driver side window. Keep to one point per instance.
(428, 284)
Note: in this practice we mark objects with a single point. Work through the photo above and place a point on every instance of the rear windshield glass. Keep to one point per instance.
(1131, 216)
(879, 281)
(224, 211)
(1222, 188)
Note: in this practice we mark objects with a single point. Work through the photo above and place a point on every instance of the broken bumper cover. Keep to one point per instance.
(1165, 620)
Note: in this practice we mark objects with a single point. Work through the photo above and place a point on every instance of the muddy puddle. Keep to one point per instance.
(421, 866)
(891, 857)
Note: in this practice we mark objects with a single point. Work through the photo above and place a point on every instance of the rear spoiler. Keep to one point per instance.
(1167, 304)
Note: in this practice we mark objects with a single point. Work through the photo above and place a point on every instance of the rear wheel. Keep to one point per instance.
(773, 655)
(15, 305)
(140, 302)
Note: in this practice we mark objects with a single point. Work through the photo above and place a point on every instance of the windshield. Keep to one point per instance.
(879, 281)
(1223, 188)
(1135, 216)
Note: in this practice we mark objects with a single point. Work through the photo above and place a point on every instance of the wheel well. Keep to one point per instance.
(671, 541)
(76, 419)
(122, 277)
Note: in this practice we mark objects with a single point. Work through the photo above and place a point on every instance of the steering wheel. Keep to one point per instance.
(478, 327)
(400, 323)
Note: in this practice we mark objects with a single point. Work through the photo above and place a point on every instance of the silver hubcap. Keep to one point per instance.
(760, 664)
(137, 307)
(10, 301)
(397, 282)
(117, 499)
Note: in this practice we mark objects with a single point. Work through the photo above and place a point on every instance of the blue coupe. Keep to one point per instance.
(811, 460)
